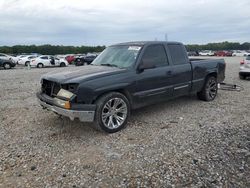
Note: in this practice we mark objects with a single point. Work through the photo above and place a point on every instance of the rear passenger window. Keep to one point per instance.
(44, 57)
(177, 54)
(155, 54)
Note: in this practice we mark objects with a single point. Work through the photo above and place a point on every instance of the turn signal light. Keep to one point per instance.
(67, 105)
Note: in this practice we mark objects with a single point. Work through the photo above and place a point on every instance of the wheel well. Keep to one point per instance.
(212, 74)
(209, 75)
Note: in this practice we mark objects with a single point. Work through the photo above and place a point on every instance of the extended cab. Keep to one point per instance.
(127, 76)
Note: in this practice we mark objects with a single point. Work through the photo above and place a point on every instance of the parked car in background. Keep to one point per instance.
(193, 53)
(85, 60)
(79, 61)
(240, 53)
(223, 53)
(70, 58)
(90, 58)
(245, 68)
(25, 60)
(229, 53)
(7, 63)
(6, 56)
(206, 53)
(48, 61)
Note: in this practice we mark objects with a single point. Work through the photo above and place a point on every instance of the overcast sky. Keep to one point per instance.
(96, 22)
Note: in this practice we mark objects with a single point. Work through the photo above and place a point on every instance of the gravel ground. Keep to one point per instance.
(181, 143)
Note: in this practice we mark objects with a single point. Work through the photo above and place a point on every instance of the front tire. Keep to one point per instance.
(112, 113)
(209, 90)
(6, 66)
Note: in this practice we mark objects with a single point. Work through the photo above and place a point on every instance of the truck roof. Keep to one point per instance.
(141, 43)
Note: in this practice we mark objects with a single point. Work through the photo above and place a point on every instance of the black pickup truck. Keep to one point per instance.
(127, 76)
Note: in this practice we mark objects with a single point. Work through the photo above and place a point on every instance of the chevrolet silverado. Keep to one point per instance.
(127, 76)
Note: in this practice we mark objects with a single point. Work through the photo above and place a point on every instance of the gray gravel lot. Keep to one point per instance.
(180, 143)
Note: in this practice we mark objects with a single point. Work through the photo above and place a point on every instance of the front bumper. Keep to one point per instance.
(83, 112)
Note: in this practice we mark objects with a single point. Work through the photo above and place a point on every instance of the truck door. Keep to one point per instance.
(154, 83)
(182, 70)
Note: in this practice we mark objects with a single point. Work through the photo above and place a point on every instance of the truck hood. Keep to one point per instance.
(80, 74)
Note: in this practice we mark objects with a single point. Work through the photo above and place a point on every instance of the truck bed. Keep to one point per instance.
(203, 67)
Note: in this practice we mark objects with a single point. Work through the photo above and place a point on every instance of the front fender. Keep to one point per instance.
(88, 95)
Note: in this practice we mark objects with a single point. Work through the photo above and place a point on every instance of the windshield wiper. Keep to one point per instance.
(108, 64)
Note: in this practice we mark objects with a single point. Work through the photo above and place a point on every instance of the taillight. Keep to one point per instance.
(242, 62)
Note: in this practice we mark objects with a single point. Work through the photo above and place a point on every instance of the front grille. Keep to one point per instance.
(50, 88)
(56, 88)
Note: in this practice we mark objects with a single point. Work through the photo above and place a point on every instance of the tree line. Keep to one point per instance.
(49, 49)
(56, 49)
(219, 46)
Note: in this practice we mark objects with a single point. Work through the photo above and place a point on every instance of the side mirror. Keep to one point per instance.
(146, 65)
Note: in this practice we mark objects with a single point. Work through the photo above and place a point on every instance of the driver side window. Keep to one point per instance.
(155, 54)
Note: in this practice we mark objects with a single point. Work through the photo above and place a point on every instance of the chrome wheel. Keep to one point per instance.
(212, 88)
(114, 113)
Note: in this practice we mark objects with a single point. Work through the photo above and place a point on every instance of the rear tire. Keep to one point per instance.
(40, 65)
(209, 90)
(62, 64)
(7, 66)
(112, 112)
(26, 63)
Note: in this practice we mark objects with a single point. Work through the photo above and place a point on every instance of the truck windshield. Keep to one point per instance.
(118, 56)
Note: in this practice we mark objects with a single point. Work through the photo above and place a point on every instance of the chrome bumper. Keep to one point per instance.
(83, 116)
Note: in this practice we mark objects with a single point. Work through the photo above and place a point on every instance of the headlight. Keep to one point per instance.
(62, 103)
(65, 94)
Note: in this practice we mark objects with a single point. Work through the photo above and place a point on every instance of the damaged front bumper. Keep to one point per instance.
(83, 112)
